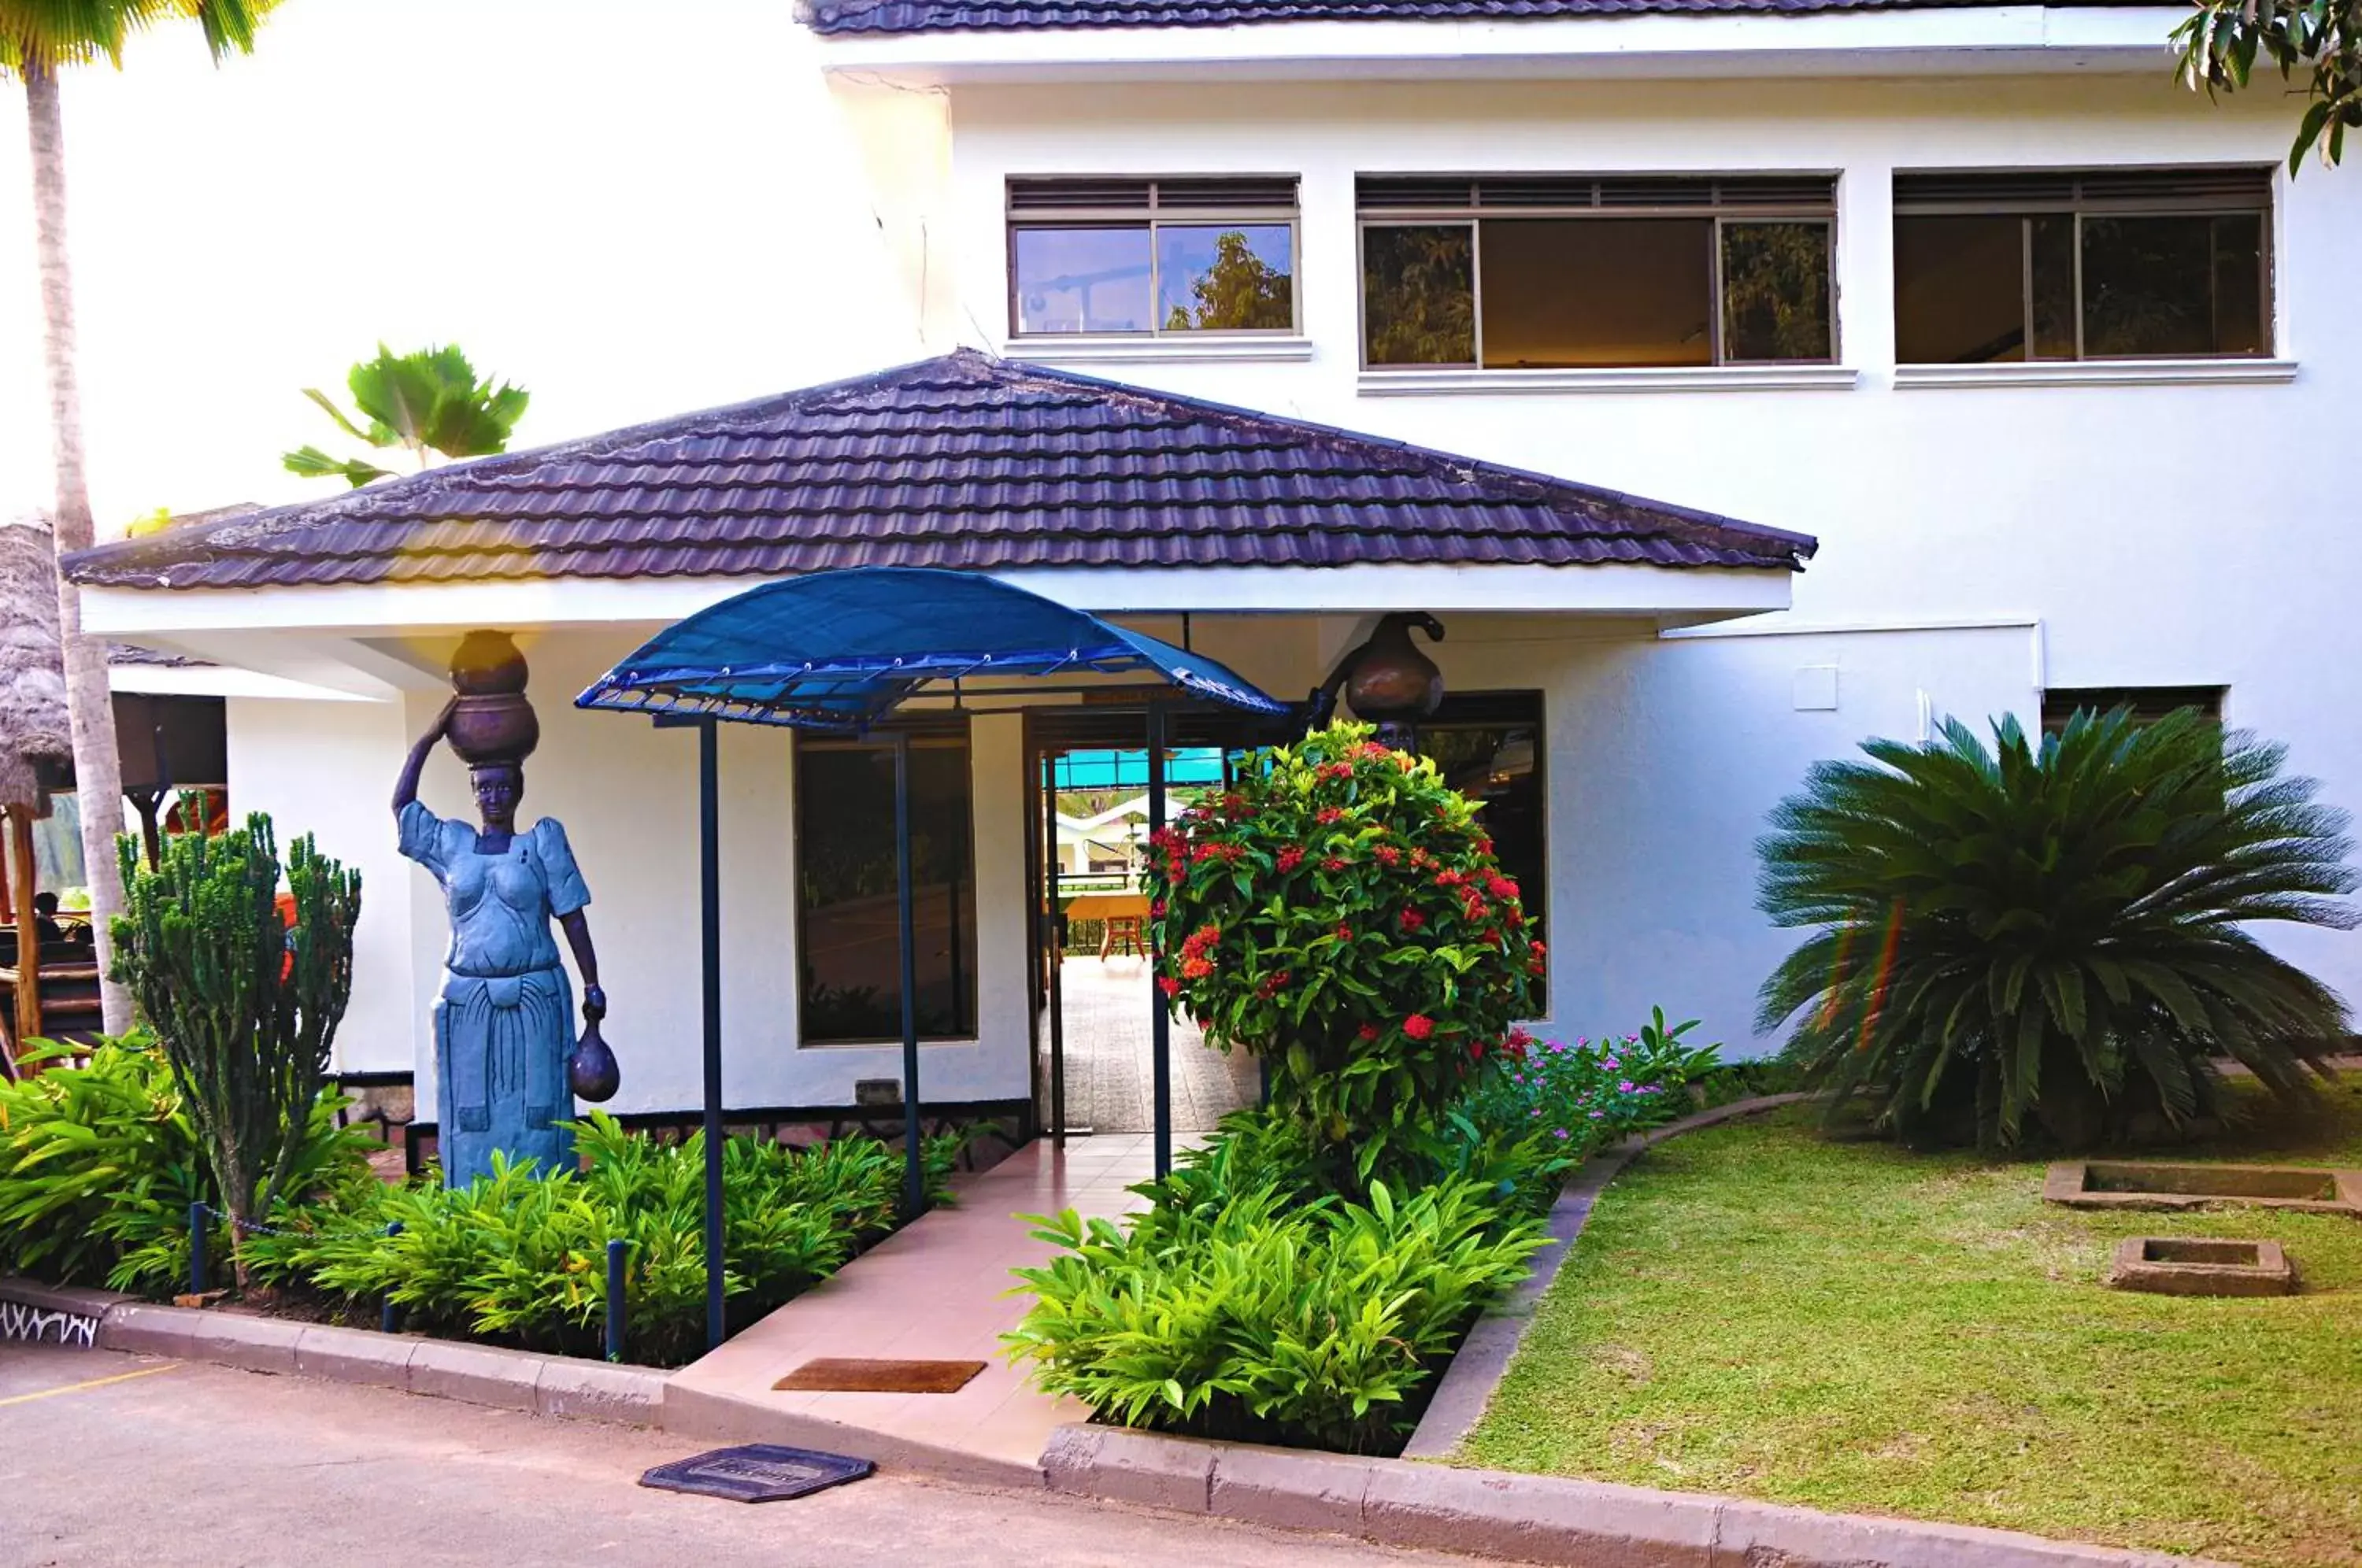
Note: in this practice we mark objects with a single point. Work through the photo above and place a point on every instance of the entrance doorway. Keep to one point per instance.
(1093, 982)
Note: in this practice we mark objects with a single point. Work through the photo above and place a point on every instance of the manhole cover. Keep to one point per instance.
(757, 1473)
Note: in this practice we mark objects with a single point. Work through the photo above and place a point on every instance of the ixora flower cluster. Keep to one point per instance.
(1339, 913)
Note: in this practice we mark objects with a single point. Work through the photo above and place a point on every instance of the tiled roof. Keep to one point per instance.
(986, 15)
(963, 461)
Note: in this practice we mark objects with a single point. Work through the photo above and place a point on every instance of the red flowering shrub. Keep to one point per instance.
(1339, 914)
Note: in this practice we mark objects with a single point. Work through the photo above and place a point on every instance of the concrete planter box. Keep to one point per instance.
(2143, 1184)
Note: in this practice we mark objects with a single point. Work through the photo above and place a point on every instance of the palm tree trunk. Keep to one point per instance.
(98, 770)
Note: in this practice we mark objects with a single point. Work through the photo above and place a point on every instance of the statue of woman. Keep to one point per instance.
(502, 1024)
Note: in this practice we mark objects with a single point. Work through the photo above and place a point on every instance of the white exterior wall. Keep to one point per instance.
(2098, 534)
(1664, 759)
(327, 769)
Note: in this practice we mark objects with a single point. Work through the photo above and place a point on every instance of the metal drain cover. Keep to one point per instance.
(757, 1473)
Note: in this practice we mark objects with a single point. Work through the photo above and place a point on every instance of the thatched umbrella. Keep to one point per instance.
(32, 669)
(34, 737)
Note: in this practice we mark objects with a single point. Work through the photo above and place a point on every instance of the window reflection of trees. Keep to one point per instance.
(1419, 294)
(1239, 291)
(1775, 291)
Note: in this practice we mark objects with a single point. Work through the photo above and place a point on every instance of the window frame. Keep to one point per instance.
(923, 734)
(2148, 704)
(1151, 215)
(1716, 211)
(2076, 205)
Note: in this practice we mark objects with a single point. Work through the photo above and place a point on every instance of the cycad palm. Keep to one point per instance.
(2059, 928)
(37, 39)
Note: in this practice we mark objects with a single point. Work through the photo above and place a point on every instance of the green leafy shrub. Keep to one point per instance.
(1339, 913)
(2057, 929)
(521, 1257)
(98, 1166)
(1254, 1314)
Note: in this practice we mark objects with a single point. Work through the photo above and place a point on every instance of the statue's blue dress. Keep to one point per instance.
(503, 1025)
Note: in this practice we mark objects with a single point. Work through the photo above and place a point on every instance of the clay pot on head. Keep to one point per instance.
(500, 728)
(493, 722)
(487, 664)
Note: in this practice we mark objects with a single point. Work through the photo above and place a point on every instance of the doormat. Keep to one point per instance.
(757, 1473)
(835, 1375)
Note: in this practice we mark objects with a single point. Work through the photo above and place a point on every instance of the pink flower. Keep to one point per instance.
(1419, 1026)
(1369, 1031)
(1290, 858)
(1412, 919)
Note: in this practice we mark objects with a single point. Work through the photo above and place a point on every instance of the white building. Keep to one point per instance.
(1768, 261)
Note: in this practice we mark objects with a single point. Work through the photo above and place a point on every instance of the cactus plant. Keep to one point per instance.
(245, 1000)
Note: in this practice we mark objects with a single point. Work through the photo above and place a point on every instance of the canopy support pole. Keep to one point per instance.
(708, 874)
(1160, 1021)
(914, 1158)
(1057, 996)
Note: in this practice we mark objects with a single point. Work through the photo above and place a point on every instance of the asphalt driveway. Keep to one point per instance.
(119, 1459)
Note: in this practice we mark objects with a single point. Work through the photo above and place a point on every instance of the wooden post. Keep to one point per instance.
(8, 1071)
(28, 935)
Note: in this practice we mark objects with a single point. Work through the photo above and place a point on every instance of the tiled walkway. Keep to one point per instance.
(1109, 1072)
(936, 1290)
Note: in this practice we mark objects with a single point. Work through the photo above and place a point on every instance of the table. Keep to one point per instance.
(1123, 912)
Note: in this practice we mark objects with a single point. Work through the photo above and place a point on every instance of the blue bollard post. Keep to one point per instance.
(196, 1249)
(389, 1315)
(616, 1250)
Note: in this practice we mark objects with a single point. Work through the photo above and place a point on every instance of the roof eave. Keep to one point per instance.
(1963, 40)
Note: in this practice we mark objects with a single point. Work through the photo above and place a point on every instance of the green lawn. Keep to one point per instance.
(1759, 1310)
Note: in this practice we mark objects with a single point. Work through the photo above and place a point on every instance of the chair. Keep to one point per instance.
(1122, 931)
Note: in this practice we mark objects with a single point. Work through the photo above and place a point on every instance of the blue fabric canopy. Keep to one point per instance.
(839, 649)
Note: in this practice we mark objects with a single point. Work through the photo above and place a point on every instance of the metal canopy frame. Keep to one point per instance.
(854, 691)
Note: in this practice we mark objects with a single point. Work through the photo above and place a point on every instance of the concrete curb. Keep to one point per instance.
(1484, 1355)
(1527, 1519)
(444, 1369)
